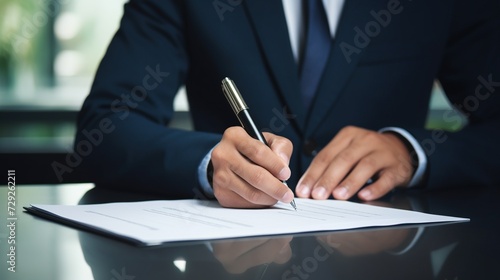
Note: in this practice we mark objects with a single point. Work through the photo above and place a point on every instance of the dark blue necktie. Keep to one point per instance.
(316, 50)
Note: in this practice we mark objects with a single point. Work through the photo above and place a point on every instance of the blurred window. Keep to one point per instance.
(50, 49)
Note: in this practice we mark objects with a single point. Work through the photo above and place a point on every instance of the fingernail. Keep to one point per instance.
(285, 174)
(304, 190)
(287, 198)
(341, 192)
(365, 194)
(319, 192)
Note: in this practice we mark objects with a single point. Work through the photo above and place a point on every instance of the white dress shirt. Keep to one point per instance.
(296, 25)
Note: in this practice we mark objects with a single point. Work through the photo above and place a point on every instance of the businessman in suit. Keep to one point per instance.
(343, 116)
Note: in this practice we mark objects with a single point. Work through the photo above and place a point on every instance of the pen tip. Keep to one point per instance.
(293, 204)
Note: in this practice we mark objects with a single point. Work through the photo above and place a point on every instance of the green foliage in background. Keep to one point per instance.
(14, 16)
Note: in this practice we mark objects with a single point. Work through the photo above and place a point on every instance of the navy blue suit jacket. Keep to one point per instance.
(386, 56)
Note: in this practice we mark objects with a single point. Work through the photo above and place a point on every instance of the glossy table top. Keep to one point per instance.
(47, 250)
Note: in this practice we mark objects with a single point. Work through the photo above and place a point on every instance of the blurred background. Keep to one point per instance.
(49, 52)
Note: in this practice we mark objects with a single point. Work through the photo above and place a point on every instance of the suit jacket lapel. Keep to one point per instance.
(339, 67)
(269, 22)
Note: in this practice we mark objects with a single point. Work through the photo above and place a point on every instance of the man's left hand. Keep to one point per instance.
(352, 158)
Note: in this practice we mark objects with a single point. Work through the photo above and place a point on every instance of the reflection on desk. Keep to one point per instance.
(449, 251)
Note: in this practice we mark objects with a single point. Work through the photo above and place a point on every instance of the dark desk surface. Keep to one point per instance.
(46, 250)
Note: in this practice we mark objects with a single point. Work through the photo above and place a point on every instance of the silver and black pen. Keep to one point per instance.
(240, 108)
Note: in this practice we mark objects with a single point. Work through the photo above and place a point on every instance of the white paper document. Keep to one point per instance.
(160, 221)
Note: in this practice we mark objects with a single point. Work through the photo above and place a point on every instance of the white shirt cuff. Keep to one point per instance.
(202, 175)
(422, 159)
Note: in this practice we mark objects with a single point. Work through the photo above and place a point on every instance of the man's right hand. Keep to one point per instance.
(249, 174)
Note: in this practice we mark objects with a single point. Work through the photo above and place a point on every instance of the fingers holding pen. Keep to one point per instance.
(247, 173)
(281, 146)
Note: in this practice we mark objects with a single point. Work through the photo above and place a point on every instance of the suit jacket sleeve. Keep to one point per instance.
(126, 115)
(470, 76)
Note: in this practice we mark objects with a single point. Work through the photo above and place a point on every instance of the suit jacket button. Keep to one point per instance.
(309, 147)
